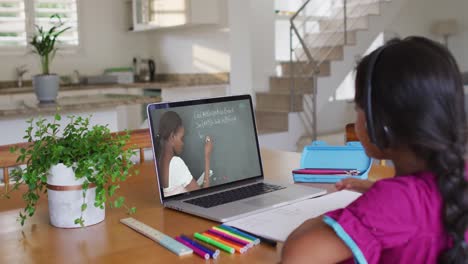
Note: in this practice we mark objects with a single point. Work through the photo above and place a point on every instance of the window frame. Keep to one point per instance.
(30, 13)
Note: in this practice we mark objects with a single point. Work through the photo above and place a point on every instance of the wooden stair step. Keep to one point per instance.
(304, 68)
(357, 10)
(322, 53)
(270, 131)
(278, 102)
(358, 2)
(284, 85)
(323, 39)
(333, 25)
(271, 121)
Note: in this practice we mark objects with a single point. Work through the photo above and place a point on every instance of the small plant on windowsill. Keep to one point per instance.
(82, 167)
(44, 42)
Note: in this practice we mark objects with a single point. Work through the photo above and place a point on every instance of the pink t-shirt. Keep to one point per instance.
(398, 220)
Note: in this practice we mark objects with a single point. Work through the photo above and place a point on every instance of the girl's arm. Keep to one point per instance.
(314, 242)
(354, 184)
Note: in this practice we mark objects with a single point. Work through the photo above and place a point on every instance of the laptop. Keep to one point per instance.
(208, 163)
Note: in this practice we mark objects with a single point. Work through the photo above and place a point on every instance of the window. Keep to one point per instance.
(12, 23)
(67, 10)
(19, 17)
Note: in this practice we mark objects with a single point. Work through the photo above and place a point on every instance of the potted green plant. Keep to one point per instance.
(46, 85)
(79, 166)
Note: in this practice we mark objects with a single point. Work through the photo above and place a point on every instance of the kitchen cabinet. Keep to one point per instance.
(70, 93)
(5, 99)
(155, 14)
(119, 117)
(23, 97)
(189, 93)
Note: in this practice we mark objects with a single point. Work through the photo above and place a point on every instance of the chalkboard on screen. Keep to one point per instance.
(230, 127)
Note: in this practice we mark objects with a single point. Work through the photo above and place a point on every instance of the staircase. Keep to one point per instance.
(325, 43)
(274, 106)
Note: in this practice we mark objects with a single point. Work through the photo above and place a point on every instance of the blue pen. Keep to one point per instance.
(214, 254)
(255, 240)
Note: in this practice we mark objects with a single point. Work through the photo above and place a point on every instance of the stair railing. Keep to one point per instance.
(300, 50)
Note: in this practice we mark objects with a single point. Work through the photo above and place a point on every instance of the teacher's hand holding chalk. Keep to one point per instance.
(208, 146)
(208, 150)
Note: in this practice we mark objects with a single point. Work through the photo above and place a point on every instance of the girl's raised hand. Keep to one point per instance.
(354, 185)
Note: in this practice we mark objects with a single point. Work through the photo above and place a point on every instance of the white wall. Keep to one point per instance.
(252, 40)
(262, 26)
(242, 44)
(105, 42)
(417, 17)
(195, 49)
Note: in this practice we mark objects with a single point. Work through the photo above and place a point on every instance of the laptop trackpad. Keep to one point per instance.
(265, 201)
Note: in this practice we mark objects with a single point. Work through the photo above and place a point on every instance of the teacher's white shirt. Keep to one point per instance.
(179, 177)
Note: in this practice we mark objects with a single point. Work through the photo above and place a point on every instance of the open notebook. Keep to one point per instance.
(277, 224)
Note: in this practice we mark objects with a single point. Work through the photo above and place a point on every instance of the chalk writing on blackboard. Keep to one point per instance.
(214, 117)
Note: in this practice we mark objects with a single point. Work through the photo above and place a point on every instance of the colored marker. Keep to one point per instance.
(237, 248)
(228, 228)
(214, 243)
(213, 253)
(197, 251)
(264, 240)
(230, 238)
(234, 235)
(208, 246)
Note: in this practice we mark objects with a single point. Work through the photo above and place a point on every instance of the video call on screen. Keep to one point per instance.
(229, 126)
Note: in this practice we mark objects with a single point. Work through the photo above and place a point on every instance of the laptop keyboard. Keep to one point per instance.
(234, 195)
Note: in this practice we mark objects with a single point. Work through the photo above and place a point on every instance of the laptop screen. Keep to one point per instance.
(204, 143)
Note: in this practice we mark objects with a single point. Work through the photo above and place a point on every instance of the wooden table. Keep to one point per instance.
(112, 242)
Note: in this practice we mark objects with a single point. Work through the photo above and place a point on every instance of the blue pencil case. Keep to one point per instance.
(320, 155)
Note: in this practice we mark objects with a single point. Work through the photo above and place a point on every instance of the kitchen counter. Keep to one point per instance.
(164, 81)
(30, 108)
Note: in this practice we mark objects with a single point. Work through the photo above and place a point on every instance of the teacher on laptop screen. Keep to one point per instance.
(201, 146)
(169, 144)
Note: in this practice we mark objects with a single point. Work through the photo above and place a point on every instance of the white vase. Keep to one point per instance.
(65, 196)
